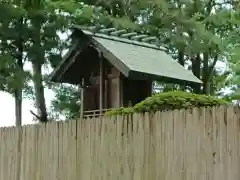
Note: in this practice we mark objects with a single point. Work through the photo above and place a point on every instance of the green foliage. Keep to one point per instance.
(65, 102)
(170, 101)
(120, 111)
(235, 89)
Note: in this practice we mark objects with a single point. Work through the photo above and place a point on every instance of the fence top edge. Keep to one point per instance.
(234, 108)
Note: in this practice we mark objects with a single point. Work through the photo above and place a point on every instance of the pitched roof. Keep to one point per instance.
(134, 53)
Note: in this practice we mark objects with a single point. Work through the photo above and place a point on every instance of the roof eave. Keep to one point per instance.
(146, 76)
(54, 75)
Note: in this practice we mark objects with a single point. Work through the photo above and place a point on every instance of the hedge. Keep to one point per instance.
(169, 101)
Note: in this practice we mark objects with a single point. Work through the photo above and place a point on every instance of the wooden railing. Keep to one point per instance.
(95, 113)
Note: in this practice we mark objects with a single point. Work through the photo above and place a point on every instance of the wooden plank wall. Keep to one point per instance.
(198, 144)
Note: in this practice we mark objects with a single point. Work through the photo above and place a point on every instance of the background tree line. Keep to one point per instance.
(200, 35)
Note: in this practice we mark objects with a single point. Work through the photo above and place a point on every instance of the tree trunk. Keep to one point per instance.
(206, 81)
(18, 93)
(19, 89)
(208, 73)
(181, 57)
(181, 61)
(196, 69)
(18, 107)
(37, 62)
(39, 91)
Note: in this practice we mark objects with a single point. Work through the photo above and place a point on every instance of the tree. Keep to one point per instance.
(31, 34)
(12, 75)
(47, 19)
(66, 102)
(197, 35)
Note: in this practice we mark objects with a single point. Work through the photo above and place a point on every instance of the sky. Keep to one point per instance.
(7, 110)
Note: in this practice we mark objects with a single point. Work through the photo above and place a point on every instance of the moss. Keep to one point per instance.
(170, 101)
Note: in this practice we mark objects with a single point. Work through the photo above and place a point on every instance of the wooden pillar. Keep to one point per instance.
(82, 99)
(106, 84)
(151, 88)
(105, 93)
(101, 85)
(121, 92)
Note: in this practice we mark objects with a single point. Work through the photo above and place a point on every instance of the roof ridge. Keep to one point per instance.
(123, 35)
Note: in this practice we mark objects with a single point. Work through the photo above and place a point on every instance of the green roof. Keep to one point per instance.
(134, 53)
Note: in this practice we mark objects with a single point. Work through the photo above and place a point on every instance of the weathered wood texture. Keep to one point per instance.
(199, 144)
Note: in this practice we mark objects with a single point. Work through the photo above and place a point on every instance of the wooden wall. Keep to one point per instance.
(136, 91)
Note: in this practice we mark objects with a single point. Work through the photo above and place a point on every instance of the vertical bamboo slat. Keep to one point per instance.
(196, 144)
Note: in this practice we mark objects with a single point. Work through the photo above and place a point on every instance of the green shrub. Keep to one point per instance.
(119, 111)
(169, 101)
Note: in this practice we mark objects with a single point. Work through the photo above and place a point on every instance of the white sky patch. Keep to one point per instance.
(7, 110)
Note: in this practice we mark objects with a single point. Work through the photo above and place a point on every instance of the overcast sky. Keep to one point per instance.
(7, 109)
